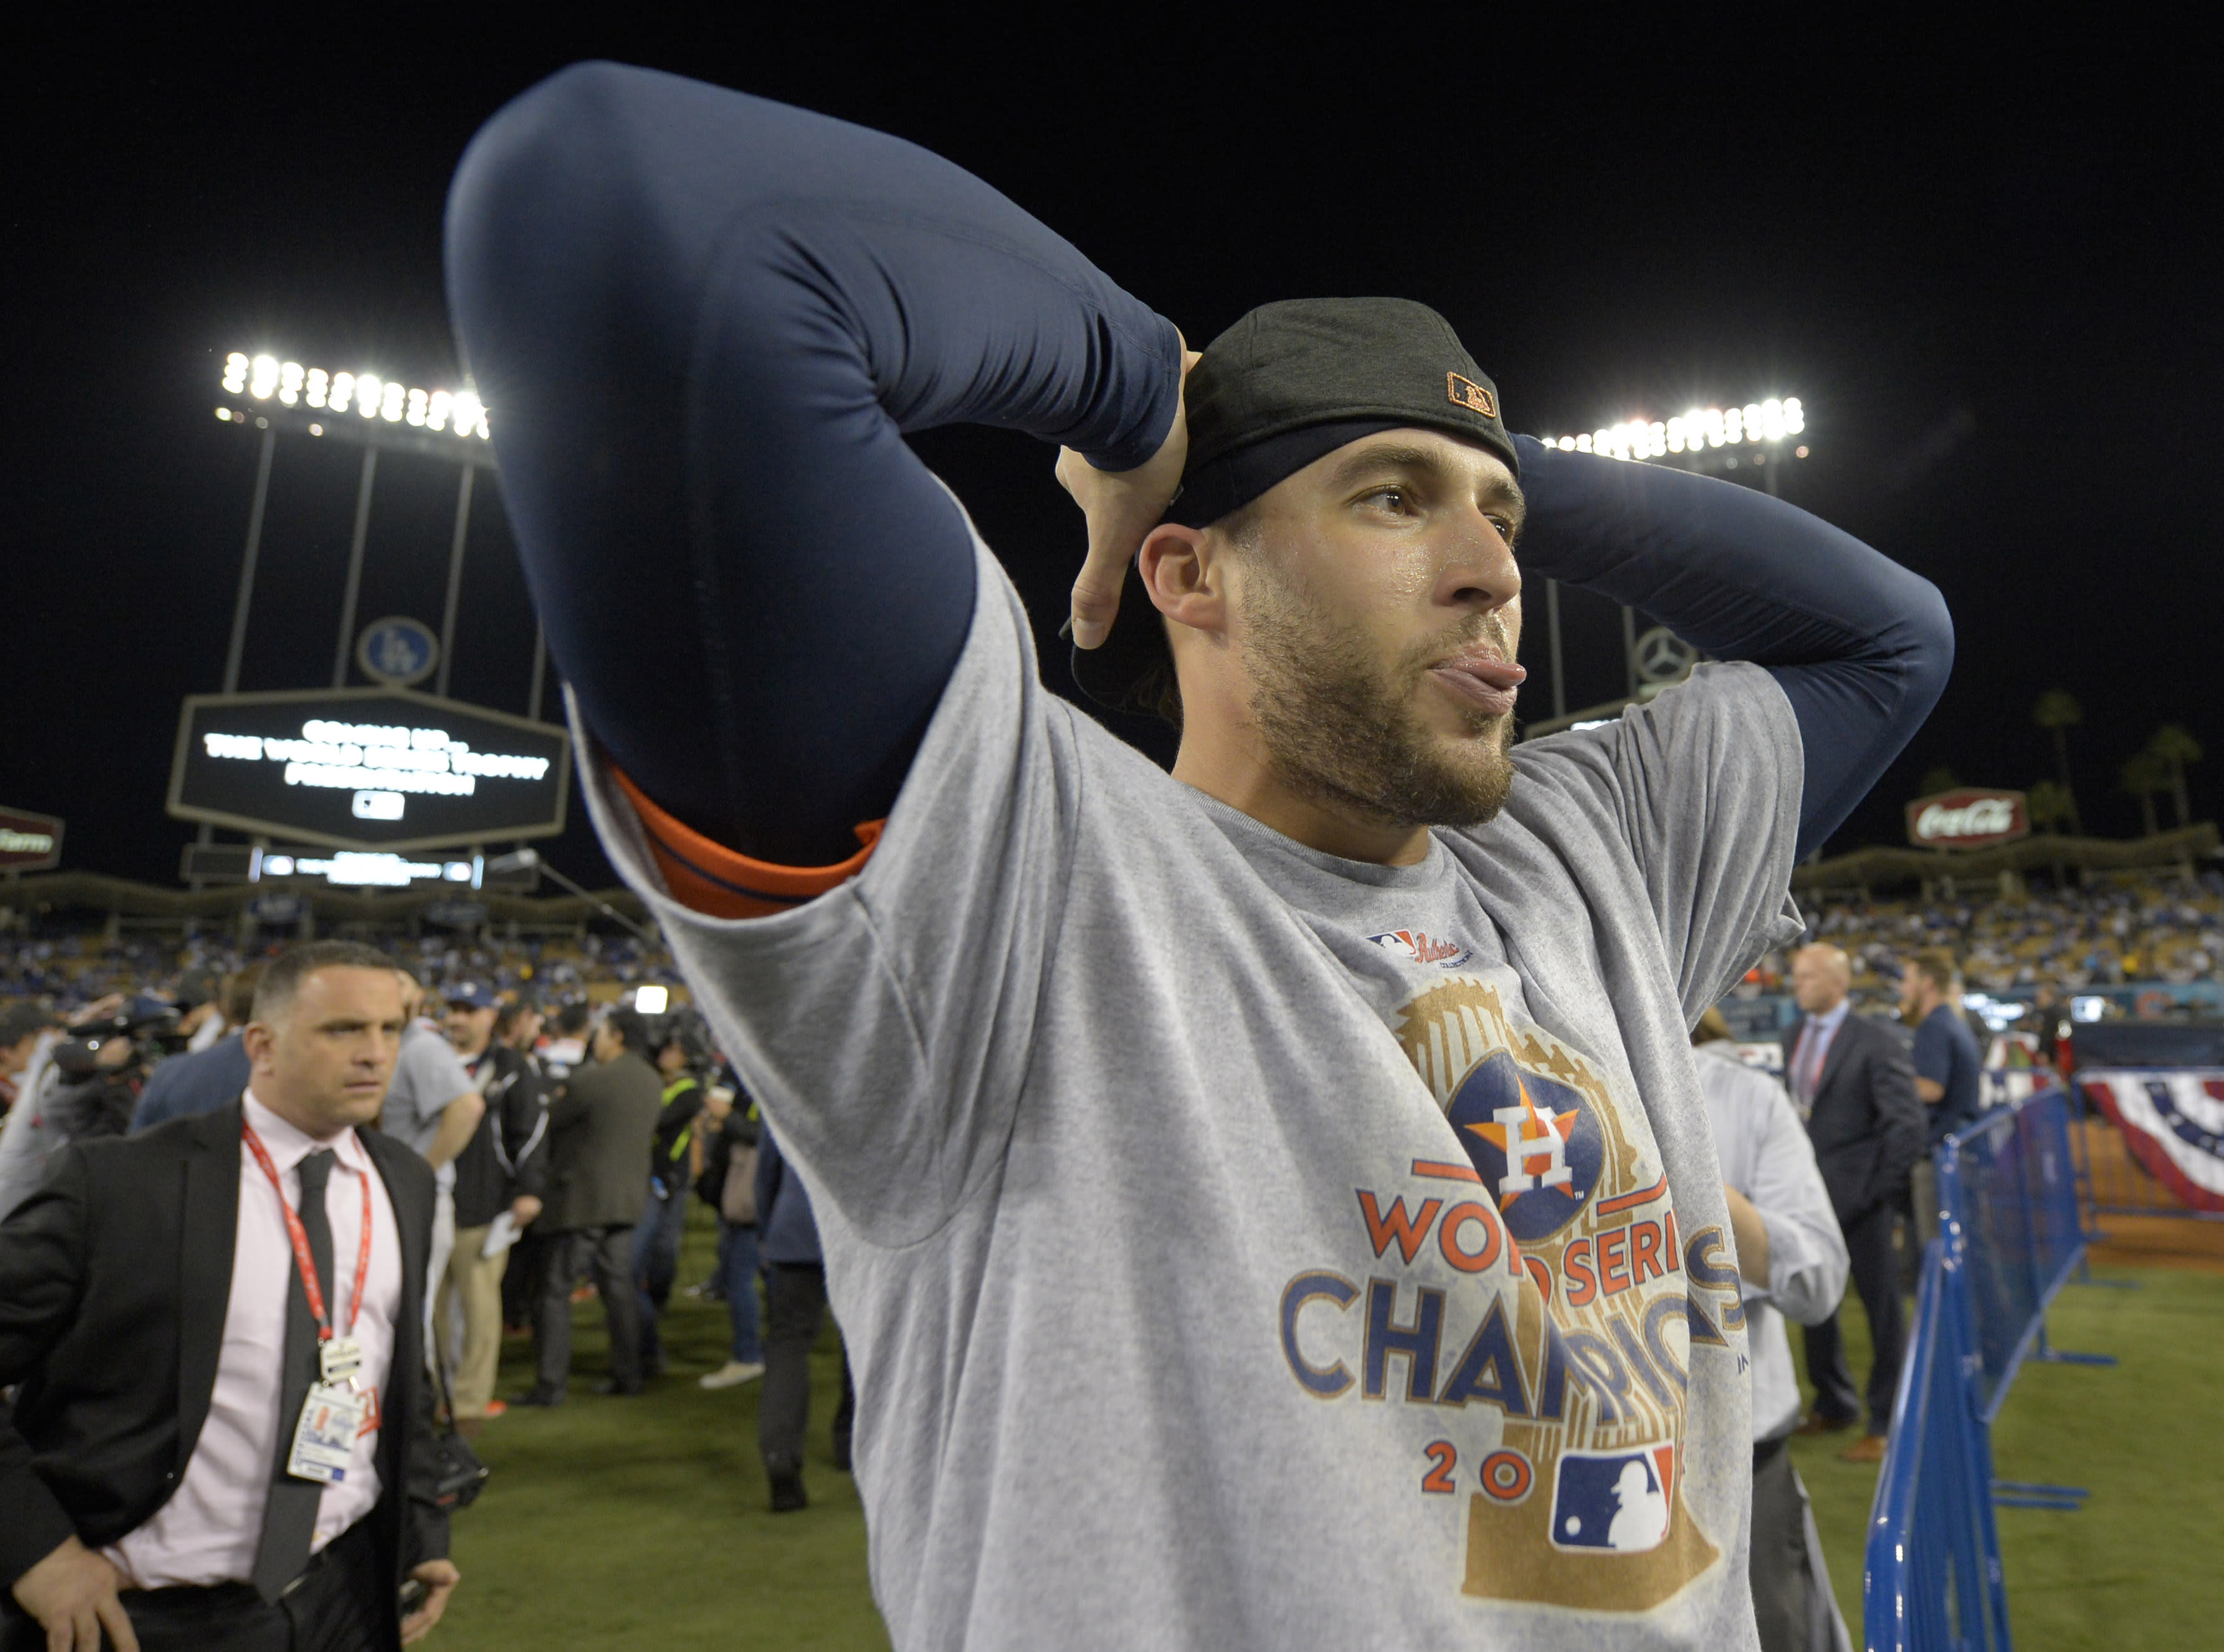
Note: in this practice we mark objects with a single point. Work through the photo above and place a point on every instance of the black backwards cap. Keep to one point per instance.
(1290, 383)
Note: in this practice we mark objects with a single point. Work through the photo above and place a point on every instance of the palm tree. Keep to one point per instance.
(2175, 747)
(2057, 709)
(2049, 805)
(2144, 774)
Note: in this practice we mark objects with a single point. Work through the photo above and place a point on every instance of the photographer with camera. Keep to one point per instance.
(86, 1089)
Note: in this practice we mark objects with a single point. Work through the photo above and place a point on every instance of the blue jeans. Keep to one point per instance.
(656, 1264)
(737, 1278)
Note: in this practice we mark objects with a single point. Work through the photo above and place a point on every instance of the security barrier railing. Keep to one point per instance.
(2010, 1239)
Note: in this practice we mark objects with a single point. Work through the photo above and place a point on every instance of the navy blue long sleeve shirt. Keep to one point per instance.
(705, 322)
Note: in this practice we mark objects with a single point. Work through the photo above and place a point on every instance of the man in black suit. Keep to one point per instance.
(599, 1131)
(220, 1431)
(1855, 1087)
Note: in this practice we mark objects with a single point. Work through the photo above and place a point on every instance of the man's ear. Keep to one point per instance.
(1182, 572)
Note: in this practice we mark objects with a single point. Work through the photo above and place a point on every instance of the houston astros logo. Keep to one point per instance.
(1535, 1141)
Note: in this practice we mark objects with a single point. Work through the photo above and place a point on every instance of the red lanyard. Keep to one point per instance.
(299, 1236)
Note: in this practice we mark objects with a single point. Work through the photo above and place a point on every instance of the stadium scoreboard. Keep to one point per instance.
(368, 768)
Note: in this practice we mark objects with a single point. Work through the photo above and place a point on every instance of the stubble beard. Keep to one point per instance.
(1341, 729)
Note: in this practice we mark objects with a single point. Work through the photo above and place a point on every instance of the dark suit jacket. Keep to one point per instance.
(1866, 1124)
(114, 1280)
(599, 1134)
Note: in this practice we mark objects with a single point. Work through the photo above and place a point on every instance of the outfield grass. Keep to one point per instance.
(633, 1522)
(612, 1522)
(2136, 1568)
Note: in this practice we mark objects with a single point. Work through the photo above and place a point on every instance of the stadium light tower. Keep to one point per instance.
(1710, 440)
(272, 394)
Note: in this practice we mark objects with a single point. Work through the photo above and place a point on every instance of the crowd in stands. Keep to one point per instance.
(2069, 940)
(73, 969)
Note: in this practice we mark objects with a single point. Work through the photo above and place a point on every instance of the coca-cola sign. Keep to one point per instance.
(28, 842)
(1966, 818)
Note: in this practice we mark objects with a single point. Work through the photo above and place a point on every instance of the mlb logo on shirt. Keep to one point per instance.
(1616, 1502)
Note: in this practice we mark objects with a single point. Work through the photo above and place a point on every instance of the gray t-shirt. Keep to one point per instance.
(1241, 1247)
(428, 1074)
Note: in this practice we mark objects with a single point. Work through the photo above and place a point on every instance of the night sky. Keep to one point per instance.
(1988, 268)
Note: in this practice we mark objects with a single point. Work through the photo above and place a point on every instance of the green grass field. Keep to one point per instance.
(631, 1522)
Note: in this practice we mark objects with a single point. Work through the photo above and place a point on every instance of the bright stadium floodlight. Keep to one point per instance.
(1700, 430)
(290, 383)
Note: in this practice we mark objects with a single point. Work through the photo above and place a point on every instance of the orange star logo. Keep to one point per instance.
(1527, 1123)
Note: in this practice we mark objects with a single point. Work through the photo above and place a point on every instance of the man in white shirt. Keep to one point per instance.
(1791, 1263)
(434, 1108)
(213, 1444)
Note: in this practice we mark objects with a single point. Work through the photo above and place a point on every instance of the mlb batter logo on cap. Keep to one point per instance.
(1468, 394)
(1614, 1501)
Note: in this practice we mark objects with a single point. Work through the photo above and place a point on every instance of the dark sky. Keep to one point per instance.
(1988, 269)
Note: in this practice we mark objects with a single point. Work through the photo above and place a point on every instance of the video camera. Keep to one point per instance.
(147, 1024)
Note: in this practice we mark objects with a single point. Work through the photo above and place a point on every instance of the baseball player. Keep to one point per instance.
(1269, 1204)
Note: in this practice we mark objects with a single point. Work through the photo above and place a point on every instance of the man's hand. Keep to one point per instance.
(440, 1578)
(73, 1594)
(102, 1009)
(1121, 508)
(1750, 1235)
(523, 1209)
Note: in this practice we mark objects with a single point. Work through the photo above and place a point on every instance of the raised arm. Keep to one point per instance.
(703, 322)
(1860, 646)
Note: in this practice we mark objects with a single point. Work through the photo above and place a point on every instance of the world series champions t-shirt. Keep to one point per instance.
(1237, 1246)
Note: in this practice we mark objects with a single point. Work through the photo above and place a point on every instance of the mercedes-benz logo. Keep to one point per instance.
(1663, 656)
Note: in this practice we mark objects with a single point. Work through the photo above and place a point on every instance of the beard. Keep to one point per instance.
(1341, 728)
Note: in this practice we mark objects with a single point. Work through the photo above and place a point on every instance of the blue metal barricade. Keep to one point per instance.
(2010, 1239)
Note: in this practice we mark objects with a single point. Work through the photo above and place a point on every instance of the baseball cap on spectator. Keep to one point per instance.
(470, 995)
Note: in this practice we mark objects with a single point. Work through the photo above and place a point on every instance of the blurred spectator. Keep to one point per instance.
(1948, 1066)
(728, 1133)
(501, 1170)
(23, 1028)
(600, 1129)
(567, 1047)
(517, 1027)
(1856, 1092)
(433, 1107)
(681, 1058)
(202, 1010)
(1792, 1262)
(203, 1080)
(1949, 1069)
(795, 1303)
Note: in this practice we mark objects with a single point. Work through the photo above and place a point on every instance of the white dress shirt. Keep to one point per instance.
(208, 1531)
(1766, 1155)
